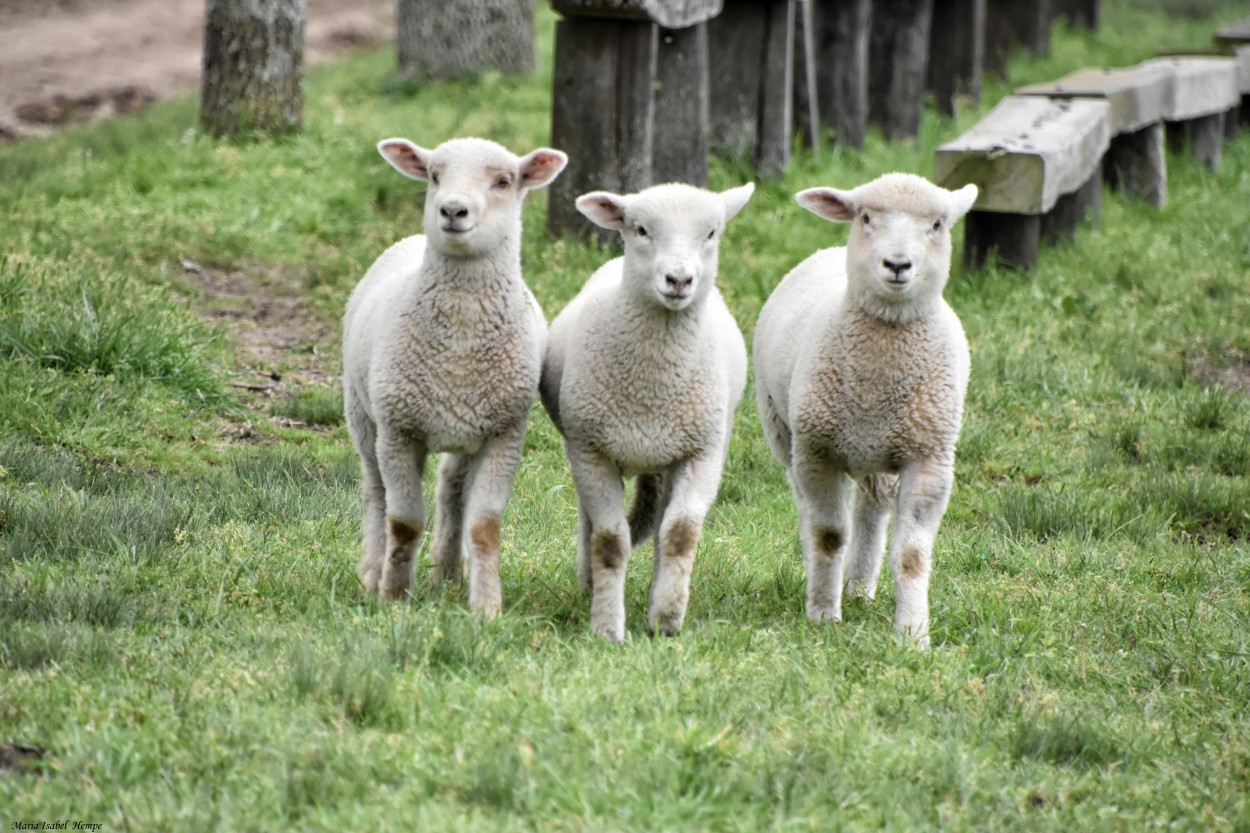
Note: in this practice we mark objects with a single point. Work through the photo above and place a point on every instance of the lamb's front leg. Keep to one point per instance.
(690, 489)
(490, 478)
(601, 494)
(821, 488)
(401, 462)
(924, 489)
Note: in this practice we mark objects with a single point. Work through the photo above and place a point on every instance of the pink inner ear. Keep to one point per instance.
(540, 168)
(405, 158)
(602, 211)
(827, 204)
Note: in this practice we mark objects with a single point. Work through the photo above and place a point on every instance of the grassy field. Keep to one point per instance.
(180, 621)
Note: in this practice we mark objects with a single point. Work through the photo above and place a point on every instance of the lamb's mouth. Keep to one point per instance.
(451, 228)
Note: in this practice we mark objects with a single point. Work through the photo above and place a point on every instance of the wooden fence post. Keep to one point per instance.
(681, 136)
(956, 52)
(601, 114)
(751, 47)
(1011, 23)
(840, 31)
(1078, 13)
(898, 58)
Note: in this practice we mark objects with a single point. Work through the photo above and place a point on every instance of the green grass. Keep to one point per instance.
(181, 623)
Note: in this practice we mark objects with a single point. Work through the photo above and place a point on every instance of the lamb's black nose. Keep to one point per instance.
(454, 210)
(898, 265)
(678, 283)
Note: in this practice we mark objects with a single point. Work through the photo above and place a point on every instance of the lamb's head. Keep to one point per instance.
(898, 254)
(672, 237)
(476, 189)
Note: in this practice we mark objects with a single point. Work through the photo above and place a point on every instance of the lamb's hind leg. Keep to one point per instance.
(449, 555)
(373, 549)
(924, 489)
(869, 516)
(491, 473)
(401, 463)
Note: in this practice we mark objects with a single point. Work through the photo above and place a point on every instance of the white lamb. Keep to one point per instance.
(861, 369)
(442, 351)
(643, 372)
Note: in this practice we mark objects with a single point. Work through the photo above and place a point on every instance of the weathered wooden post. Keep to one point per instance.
(681, 140)
(437, 39)
(752, 81)
(1012, 23)
(253, 76)
(806, 97)
(604, 98)
(1078, 13)
(840, 34)
(898, 60)
(956, 52)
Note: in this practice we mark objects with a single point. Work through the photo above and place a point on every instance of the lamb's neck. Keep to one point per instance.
(496, 273)
(643, 320)
(910, 315)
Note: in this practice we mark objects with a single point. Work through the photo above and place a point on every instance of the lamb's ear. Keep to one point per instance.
(829, 203)
(603, 209)
(735, 198)
(541, 166)
(962, 201)
(410, 160)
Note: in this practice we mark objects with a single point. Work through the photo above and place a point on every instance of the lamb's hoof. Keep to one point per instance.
(612, 633)
(917, 635)
(856, 589)
(370, 576)
(666, 626)
(487, 610)
(823, 614)
(394, 592)
(438, 575)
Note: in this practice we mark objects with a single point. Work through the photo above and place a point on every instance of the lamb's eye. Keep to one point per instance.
(642, 232)
(864, 216)
(711, 234)
(433, 177)
(937, 225)
(503, 183)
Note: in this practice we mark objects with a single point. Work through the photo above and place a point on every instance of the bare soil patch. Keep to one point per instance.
(64, 61)
(1228, 369)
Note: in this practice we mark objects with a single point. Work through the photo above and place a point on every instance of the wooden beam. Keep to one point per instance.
(672, 14)
(1027, 152)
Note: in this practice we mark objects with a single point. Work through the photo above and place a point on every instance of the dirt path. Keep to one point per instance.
(79, 60)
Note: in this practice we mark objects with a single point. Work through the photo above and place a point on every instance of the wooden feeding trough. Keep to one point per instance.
(1037, 163)
(1135, 161)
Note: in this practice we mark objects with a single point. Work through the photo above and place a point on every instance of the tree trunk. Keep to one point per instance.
(437, 39)
(253, 76)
